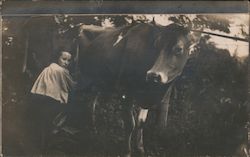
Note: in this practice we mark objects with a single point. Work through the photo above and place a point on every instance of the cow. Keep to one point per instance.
(140, 62)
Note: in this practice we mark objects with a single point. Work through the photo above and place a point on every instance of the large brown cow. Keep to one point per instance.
(139, 62)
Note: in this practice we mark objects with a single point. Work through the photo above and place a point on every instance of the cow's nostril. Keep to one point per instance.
(154, 77)
(157, 78)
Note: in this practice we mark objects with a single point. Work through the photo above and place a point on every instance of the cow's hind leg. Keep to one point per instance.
(141, 119)
(129, 124)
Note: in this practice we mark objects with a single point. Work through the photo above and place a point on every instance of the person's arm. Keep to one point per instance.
(70, 81)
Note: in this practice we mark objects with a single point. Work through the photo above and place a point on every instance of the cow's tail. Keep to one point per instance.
(75, 67)
(76, 59)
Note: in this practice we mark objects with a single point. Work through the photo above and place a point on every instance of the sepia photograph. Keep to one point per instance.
(125, 85)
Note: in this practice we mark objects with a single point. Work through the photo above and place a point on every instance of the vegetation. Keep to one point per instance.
(208, 112)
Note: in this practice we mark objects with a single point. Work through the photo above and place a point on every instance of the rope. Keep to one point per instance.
(224, 36)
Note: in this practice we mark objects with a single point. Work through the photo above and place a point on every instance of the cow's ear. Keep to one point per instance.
(194, 39)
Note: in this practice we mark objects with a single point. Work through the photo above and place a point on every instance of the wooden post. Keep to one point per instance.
(25, 52)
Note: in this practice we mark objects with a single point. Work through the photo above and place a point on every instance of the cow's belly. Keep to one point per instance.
(146, 95)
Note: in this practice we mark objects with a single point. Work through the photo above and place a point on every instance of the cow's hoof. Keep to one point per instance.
(140, 152)
(127, 155)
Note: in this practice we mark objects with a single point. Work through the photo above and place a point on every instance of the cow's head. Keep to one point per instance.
(173, 43)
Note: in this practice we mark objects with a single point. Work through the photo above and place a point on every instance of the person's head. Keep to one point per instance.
(64, 59)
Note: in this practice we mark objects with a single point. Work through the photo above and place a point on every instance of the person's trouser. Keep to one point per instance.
(46, 110)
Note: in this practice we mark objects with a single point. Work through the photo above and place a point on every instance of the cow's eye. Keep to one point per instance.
(178, 51)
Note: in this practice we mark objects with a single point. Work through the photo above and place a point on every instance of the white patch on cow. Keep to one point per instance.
(143, 115)
(119, 38)
(191, 49)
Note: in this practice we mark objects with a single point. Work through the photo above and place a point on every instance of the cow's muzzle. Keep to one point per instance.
(156, 77)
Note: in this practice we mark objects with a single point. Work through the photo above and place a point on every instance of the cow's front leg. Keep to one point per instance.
(141, 119)
(129, 123)
(93, 112)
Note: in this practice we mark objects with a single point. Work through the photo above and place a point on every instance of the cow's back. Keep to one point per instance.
(123, 63)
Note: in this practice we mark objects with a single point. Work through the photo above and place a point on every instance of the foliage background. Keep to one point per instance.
(208, 113)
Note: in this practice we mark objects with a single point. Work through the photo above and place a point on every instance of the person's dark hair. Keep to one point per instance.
(58, 54)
